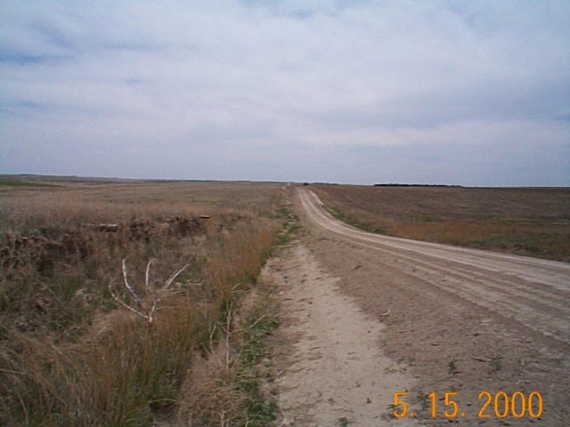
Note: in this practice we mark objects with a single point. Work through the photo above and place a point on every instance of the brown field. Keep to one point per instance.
(525, 221)
(71, 356)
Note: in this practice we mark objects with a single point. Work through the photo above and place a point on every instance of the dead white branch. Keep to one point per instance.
(126, 281)
(147, 274)
(174, 276)
(145, 306)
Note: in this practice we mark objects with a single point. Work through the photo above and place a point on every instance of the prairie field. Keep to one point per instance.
(121, 301)
(524, 221)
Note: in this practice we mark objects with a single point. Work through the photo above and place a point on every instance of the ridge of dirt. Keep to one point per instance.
(333, 372)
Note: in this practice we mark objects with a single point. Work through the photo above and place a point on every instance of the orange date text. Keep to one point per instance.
(499, 404)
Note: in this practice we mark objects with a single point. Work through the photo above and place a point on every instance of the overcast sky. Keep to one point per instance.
(359, 91)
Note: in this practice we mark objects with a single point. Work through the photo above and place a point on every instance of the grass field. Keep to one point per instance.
(524, 221)
(12, 182)
(71, 355)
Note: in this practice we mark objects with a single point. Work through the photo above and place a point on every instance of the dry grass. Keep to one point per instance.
(225, 388)
(68, 355)
(525, 221)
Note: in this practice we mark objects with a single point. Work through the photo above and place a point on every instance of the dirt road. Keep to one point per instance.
(442, 319)
(532, 291)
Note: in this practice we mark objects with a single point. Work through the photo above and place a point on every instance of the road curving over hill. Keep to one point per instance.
(367, 317)
(530, 291)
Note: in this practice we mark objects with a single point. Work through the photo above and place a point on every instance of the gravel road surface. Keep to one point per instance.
(532, 291)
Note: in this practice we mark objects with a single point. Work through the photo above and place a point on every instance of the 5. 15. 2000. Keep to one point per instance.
(499, 404)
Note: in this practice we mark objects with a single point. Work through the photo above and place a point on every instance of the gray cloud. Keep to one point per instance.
(357, 91)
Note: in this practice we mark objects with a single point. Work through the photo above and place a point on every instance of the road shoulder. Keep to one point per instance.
(332, 371)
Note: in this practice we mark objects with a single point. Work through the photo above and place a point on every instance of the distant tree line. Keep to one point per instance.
(417, 185)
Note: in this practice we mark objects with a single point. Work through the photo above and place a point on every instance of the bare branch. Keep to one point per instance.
(153, 309)
(129, 288)
(174, 276)
(152, 295)
(124, 304)
(147, 274)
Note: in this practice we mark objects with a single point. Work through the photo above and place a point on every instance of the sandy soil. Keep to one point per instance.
(333, 372)
(453, 320)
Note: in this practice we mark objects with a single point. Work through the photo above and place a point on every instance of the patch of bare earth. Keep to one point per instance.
(332, 370)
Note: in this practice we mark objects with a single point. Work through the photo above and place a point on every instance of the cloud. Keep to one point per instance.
(225, 88)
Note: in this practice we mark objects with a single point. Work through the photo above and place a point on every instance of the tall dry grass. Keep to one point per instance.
(68, 355)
